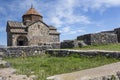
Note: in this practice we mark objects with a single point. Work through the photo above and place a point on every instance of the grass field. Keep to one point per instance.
(111, 47)
(44, 66)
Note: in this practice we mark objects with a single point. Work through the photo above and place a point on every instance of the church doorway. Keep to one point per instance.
(22, 41)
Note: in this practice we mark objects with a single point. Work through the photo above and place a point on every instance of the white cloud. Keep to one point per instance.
(65, 30)
(69, 30)
(79, 31)
(63, 13)
(99, 4)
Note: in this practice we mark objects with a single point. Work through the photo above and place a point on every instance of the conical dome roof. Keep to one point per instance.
(31, 15)
(32, 11)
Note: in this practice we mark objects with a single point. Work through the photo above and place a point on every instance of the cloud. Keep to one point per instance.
(64, 13)
(69, 30)
(59, 13)
(99, 4)
(65, 30)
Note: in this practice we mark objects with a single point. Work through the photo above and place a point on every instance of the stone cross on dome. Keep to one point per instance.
(32, 6)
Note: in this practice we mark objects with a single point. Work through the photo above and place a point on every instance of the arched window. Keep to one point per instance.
(22, 41)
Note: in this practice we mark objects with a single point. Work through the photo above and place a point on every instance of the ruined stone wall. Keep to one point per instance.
(67, 44)
(103, 38)
(99, 38)
(23, 51)
(90, 53)
(117, 31)
(72, 44)
(55, 45)
(86, 38)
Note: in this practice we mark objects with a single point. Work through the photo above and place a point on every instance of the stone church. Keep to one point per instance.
(32, 31)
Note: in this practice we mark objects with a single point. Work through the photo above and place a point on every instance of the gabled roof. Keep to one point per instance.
(18, 31)
(54, 33)
(36, 22)
(52, 28)
(15, 24)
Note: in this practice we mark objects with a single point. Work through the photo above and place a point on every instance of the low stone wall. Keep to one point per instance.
(23, 51)
(86, 38)
(71, 44)
(103, 38)
(67, 44)
(91, 53)
(99, 38)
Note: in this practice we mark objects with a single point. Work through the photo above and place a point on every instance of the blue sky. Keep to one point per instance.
(71, 17)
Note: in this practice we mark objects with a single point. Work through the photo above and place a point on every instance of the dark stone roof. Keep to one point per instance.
(52, 27)
(15, 24)
(19, 27)
(18, 31)
(54, 32)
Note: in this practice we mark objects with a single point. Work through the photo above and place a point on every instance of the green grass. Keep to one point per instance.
(111, 47)
(44, 66)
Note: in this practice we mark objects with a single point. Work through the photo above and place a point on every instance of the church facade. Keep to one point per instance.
(31, 31)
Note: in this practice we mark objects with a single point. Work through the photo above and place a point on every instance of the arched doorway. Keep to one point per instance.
(22, 41)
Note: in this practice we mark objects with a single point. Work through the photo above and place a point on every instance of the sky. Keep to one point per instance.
(72, 18)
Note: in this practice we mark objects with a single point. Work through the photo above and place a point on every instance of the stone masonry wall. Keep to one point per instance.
(103, 38)
(90, 53)
(86, 38)
(23, 51)
(67, 44)
(99, 38)
(38, 33)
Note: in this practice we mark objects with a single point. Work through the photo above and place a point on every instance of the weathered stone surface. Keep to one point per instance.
(23, 51)
(67, 44)
(4, 64)
(72, 44)
(81, 44)
(117, 31)
(86, 38)
(91, 53)
(99, 38)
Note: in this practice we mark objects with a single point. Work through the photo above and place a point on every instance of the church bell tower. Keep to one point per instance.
(31, 16)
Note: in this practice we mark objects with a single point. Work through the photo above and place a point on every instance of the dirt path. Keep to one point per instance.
(8, 73)
(98, 73)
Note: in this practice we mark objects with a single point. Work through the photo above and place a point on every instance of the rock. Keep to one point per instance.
(33, 77)
(2, 78)
(81, 44)
(67, 44)
(4, 64)
(118, 74)
(51, 78)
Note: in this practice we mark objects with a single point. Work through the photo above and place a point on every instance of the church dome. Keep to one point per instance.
(32, 11)
(31, 16)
